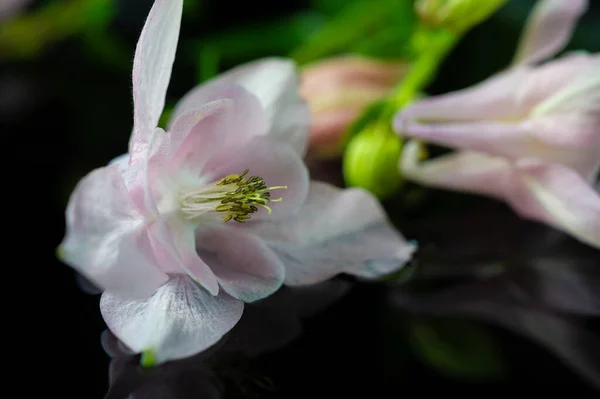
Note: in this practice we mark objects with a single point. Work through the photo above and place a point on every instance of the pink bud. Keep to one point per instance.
(338, 90)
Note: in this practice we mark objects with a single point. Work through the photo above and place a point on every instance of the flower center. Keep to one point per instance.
(234, 197)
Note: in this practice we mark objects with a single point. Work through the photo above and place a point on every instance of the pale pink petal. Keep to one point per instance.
(232, 117)
(570, 118)
(507, 139)
(335, 231)
(152, 65)
(493, 98)
(275, 82)
(173, 240)
(180, 320)
(106, 238)
(245, 267)
(559, 196)
(277, 163)
(509, 95)
(549, 29)
(461, 171)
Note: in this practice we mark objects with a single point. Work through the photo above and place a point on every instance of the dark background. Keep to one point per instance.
(67, 111)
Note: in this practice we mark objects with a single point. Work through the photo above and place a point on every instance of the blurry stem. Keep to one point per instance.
(438, 45)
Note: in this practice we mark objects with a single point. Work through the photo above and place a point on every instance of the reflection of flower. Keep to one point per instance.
(523, 276)
(337, 90)
(529, 135)
(219, 211)
(265, 326)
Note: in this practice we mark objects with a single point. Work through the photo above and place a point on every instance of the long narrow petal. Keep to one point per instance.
(106, 238)
(245, 267)
(548, 29)
(335, 231)
(152, 65)
(275, 82)
(510, 140)
(493, 98)
(181, 319)
(559, 196)
(276, 162)
(466, 171)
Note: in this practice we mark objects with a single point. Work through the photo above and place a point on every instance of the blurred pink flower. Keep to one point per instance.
(337, 91)
(529, 135)
(187, 226)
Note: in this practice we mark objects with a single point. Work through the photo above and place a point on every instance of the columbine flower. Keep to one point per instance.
(529, 135)
(219, 211)
(337, 91)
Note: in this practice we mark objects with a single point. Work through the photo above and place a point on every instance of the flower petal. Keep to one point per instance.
(559, 196)
(175, 248)
(277, 163)
(335, 231)
(275, 82)
(571, 117)
(230, 118)
(548, 29)
(181, 319)
(462, 171)
(245, 267)
(510, 140)
(152, 65)
(106, 237)
(491, 99)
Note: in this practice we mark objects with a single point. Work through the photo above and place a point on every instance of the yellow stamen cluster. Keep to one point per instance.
(236, 196)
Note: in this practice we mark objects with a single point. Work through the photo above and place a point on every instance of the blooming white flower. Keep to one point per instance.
(217, 211)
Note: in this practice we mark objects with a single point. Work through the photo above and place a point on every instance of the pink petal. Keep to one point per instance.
(560, 197)
(245, 267)
(511, 140)
(461, 171)
(493, 98)
(152, 65)
(106, 237)
(335, 231)
(232, 117)
(275, 82)
(174, 243)
(180, 320)
(570, 118)
(277, 163)
(509, 95)
(549, 29)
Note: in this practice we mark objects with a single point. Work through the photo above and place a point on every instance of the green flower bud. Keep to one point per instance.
(371, 161)
(456, 15)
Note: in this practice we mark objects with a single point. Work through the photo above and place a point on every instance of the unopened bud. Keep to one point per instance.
(371, 161)
(337, 91)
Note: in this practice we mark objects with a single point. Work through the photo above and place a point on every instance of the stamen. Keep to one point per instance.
(236, 196)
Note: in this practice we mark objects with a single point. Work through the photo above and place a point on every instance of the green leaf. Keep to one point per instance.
(360, 19)
(457, 348)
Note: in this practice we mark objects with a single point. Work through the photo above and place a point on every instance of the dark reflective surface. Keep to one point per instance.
(491, 302)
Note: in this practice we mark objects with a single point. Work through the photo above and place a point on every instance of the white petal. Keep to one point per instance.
(107, 239)
(275, 82)
(181, 319)
(335, 231)
(462, 171)
(152, 65)
(560, 197)
(548, 29)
